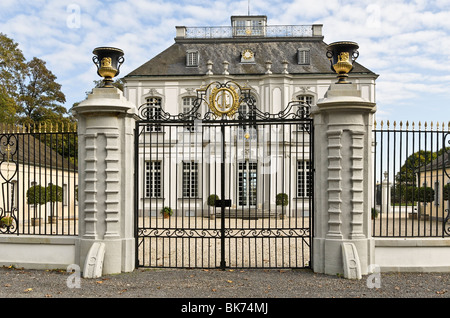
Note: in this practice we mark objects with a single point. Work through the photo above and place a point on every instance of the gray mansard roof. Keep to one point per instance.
(172, 61)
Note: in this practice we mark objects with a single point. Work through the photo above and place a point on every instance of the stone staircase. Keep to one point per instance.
(247, 213)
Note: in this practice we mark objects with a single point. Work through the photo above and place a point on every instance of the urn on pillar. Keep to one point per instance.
(342, 55)
(108, 61)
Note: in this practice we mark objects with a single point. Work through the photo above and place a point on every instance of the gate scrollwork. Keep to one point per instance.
(224, 101)
(8, 171)
(446, 190)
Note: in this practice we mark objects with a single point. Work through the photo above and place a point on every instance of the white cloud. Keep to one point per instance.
(406, 42)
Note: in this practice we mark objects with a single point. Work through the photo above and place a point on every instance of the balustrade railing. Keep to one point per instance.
(250, 31)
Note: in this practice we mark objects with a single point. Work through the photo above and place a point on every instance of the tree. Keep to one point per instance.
(40, 96)
(407, 173)
(446, 192)
(36, 196)
(8, 107)
(28, 90)
(12, 69)
(425, 194)
(282, 199)
(212, 199)
(54, 194)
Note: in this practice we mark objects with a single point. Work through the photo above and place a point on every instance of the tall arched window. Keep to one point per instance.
(247, 131)
(308, 99)
(305, 98)
(154, 112)
(188, 103)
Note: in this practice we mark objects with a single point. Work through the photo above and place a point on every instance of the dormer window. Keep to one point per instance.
(304, 56)
(192, 58)
(153, 113)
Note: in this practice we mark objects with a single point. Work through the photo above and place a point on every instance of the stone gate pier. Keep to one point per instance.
(343, 123)
(106, 211)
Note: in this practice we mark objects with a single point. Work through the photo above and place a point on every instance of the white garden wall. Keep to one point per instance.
(38, 252)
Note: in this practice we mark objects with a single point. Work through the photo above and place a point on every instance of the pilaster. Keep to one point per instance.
(334, 181)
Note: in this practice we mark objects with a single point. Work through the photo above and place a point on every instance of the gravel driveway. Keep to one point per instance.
(198, 283)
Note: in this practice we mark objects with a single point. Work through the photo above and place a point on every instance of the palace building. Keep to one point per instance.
(282, 67)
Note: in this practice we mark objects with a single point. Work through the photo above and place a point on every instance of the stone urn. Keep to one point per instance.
(108, 61)
(342, 55)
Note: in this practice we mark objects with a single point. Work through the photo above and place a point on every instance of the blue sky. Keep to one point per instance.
(406, 42)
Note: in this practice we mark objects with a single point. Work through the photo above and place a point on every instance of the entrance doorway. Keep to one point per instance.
(247, 183)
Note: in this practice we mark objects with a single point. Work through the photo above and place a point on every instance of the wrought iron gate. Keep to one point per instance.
(238, 181)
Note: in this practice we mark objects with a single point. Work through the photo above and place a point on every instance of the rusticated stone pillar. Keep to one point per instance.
(343, 164)
(105, 189)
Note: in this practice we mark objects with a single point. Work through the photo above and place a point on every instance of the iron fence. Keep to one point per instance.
(412, 176)
(39, 177)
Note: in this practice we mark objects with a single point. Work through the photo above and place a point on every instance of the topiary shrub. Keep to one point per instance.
(36, 195)
(425, 194)
(212, 199)
(282, 199)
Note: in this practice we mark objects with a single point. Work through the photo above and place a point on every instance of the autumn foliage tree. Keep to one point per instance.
(40, 97)
(29, 94)
(12, 69)
(28, 89)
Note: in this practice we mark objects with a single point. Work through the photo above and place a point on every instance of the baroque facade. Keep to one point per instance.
(280, 65)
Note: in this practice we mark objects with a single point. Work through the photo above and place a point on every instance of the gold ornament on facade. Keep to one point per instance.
(247, 54)
(224, 101)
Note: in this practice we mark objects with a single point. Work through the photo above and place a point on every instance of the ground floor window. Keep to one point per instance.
(190, 179)
(303, 177)
(247, 183)
(153, 179)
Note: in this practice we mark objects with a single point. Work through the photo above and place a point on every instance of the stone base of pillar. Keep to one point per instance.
(119, 254)
(93, 266)
(328, 257)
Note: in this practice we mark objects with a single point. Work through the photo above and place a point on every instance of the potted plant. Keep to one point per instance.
(35, 197)
(6, 221)
(212, 202)
(54, 194)
(446, 193)
(166, 212)
(283, 200)
(374, 213)
(424, 195)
